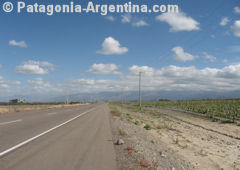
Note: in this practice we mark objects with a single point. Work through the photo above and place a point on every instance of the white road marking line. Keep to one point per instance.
(14, 121)
(41, 134)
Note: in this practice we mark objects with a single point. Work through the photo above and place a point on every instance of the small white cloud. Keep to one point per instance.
(224, 21)
(84, 81)
(179, 21)
(110, 18)
(225, 61)
(236, 28)
(181, 55)
(103, 69)
(212, 36)
(30, 69)
(134, 21)
(112, 46)
(34, 67)
(36, 81)
(5, 86)
(39, 83)
(237, 10)
(209, 57)
(126, 18)
(21, 44)
(144, 69)
(46, 64)
(6, 83)
(140, 23)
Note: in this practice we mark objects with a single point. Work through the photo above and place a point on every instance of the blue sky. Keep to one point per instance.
(197, 48)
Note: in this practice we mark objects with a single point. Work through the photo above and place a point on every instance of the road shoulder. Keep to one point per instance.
(141, 149)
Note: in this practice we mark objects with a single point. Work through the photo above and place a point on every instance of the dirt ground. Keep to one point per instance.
(175, 140)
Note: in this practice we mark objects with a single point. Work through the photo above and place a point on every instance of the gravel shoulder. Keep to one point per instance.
(168, 139)
(141, 149)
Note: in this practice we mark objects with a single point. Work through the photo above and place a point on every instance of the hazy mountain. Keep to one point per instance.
(130, 96)
(152, 95)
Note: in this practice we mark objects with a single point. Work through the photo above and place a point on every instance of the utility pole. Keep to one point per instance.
(122, 96)
(140, 97)
(67, 98)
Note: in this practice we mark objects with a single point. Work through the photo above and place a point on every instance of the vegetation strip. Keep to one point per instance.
(212, 108)
(193, 113)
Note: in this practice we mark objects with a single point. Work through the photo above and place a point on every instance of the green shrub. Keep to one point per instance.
(137, 122)
(227, 121)
(147, 127)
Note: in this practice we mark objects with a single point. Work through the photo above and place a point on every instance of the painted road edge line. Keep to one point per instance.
(14, 121)
(41, 134)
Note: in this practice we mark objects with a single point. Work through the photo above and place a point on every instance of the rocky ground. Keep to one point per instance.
(163, 139)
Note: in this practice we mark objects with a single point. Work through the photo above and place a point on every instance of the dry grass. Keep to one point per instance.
(20, 108)
(122, 132)
(114, 111)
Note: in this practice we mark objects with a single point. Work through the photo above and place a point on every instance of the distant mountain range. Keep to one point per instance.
(131, 96)
(154, 95)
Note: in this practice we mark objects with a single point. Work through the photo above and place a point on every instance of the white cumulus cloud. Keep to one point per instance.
(112, 46)
(224, 21)
(6, 83)
(103, 69)
(110, 18)
(39, 83)
(179, 21)
(209, 57)
(144, 69)
(237, 10)
(236, 28)
(140, 23)
(170, 78)
(134, 21)
(126, 18)
(84, 81)
(34, 67)
(21, 44)
(181, 55)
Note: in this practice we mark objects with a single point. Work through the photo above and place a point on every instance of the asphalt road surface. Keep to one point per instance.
(72, 138)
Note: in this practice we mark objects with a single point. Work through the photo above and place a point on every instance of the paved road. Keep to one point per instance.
(71, 138)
